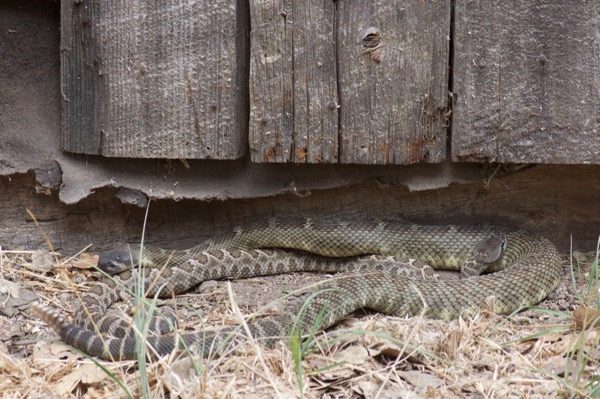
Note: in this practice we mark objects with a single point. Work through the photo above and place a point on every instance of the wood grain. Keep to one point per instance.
(527, 82)
(153, 79)
(393, 59)
(349, 82)
(293, 87)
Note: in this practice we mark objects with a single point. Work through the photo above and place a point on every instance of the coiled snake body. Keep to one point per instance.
(526, 271)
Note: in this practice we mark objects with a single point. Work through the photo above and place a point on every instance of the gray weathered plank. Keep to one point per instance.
(156, 79)
(393, 69)
(293, 90)
(527, 81)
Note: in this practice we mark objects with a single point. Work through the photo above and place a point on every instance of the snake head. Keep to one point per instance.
(117, 260)
(491, 249)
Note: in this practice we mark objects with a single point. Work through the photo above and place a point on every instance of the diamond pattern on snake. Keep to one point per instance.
(383, 265)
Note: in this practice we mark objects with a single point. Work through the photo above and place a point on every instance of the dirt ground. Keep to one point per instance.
(534, 354)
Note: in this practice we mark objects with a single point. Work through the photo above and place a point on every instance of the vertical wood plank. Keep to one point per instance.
(156, 79)
(393, 69)
(293, 88)
(82, 80)
(527, 81)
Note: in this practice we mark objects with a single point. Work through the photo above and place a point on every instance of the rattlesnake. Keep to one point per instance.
(525, 268)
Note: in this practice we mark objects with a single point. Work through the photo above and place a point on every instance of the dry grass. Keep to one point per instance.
(535, 354)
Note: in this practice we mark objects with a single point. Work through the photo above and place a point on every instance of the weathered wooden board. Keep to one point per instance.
(348, 81)
(527, 81)
(293, 90)
(155, 79)
(393, 69)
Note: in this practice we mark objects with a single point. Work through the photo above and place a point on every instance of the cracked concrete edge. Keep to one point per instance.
(76, 177)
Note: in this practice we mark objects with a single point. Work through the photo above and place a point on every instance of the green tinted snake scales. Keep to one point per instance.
(527, 270)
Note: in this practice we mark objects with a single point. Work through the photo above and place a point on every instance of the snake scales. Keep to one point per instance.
(526, 271)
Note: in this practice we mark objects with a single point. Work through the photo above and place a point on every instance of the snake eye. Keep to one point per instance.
(113, 266)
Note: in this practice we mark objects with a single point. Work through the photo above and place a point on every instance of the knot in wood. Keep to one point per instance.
(371, 37)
